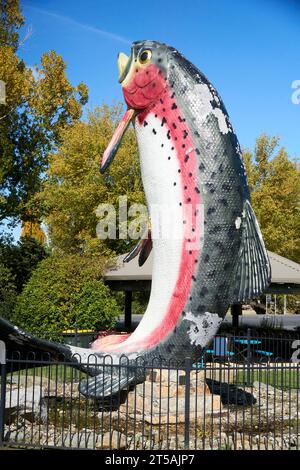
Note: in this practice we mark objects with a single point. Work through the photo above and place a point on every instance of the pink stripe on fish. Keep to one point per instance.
(179, 135)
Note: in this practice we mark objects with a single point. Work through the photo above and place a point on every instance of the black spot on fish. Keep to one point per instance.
(183, 146)
(190, 175)
(154, 131)
(145, 123)
(162, 145)
(181, 119)
(201, 167)
(164, 109)
(193, 277)
(173, 94)
(184, 222)
(169, 158)
(186, 158)
(188, 199)
(185, 134)
(185, 188)
(179, 171)
(163, 121)
(161, 100)
(223, 201)
(174, 106)
(174, 125)
(221, 168)
(180, 203)
(159, 60)
(197, 151)
(226, 187)
(168, 135)
(211, 210)
(206, 259)
(183, 314)
(197, 134)
(211, 187)
(174, 184)
(203, 291)
(211, 273)
(197, 190)
(213, 174)
(172, 148)
(155, 115)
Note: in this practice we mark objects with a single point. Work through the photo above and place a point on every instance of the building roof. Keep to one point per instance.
(284, 271)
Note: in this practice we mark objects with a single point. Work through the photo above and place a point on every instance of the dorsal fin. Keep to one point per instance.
(253, 271)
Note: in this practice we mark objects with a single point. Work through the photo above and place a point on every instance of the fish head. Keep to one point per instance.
(143, 75)
(144, 79)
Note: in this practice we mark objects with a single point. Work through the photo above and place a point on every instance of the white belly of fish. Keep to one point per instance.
(159, 173)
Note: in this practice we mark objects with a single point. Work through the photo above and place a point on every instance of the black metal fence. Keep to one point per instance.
(243, 393)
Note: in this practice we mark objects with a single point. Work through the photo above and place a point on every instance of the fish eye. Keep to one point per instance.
(145, 56)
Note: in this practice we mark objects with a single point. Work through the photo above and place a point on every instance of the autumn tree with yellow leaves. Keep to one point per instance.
(38, 105)
(274, 180)
(74, 187)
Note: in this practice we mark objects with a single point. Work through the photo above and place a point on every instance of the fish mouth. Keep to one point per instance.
(116, 139)
(124, 64)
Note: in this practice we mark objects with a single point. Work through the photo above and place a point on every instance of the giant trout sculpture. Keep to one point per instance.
(191, 162)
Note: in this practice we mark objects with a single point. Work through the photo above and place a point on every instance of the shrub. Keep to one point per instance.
(65, 290)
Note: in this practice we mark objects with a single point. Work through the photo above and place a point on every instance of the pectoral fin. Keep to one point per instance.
(143, 248)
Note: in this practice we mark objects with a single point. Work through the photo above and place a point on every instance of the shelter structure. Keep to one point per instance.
(130, 277)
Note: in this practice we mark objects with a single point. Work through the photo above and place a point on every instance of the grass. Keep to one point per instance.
(58, 373)
(283, 379)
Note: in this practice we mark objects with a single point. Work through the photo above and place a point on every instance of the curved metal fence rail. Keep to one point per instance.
(233, 397)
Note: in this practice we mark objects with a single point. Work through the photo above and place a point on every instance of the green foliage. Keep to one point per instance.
(7, 292)
(21, 259)
(10, 21)
(274, 180)
(39, 105)
(75, 188)
(65, 290)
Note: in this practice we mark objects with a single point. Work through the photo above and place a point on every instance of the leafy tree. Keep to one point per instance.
(274, 181)
(74, 187)
(38, 105)
(21, 258)
(8, 293)
(65, 290)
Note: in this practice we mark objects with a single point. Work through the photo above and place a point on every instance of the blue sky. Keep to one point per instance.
(249, 49)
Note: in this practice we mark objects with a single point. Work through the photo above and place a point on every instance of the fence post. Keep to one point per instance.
(76, 344)
(187, 402)
(3, 390)
(248, 356)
